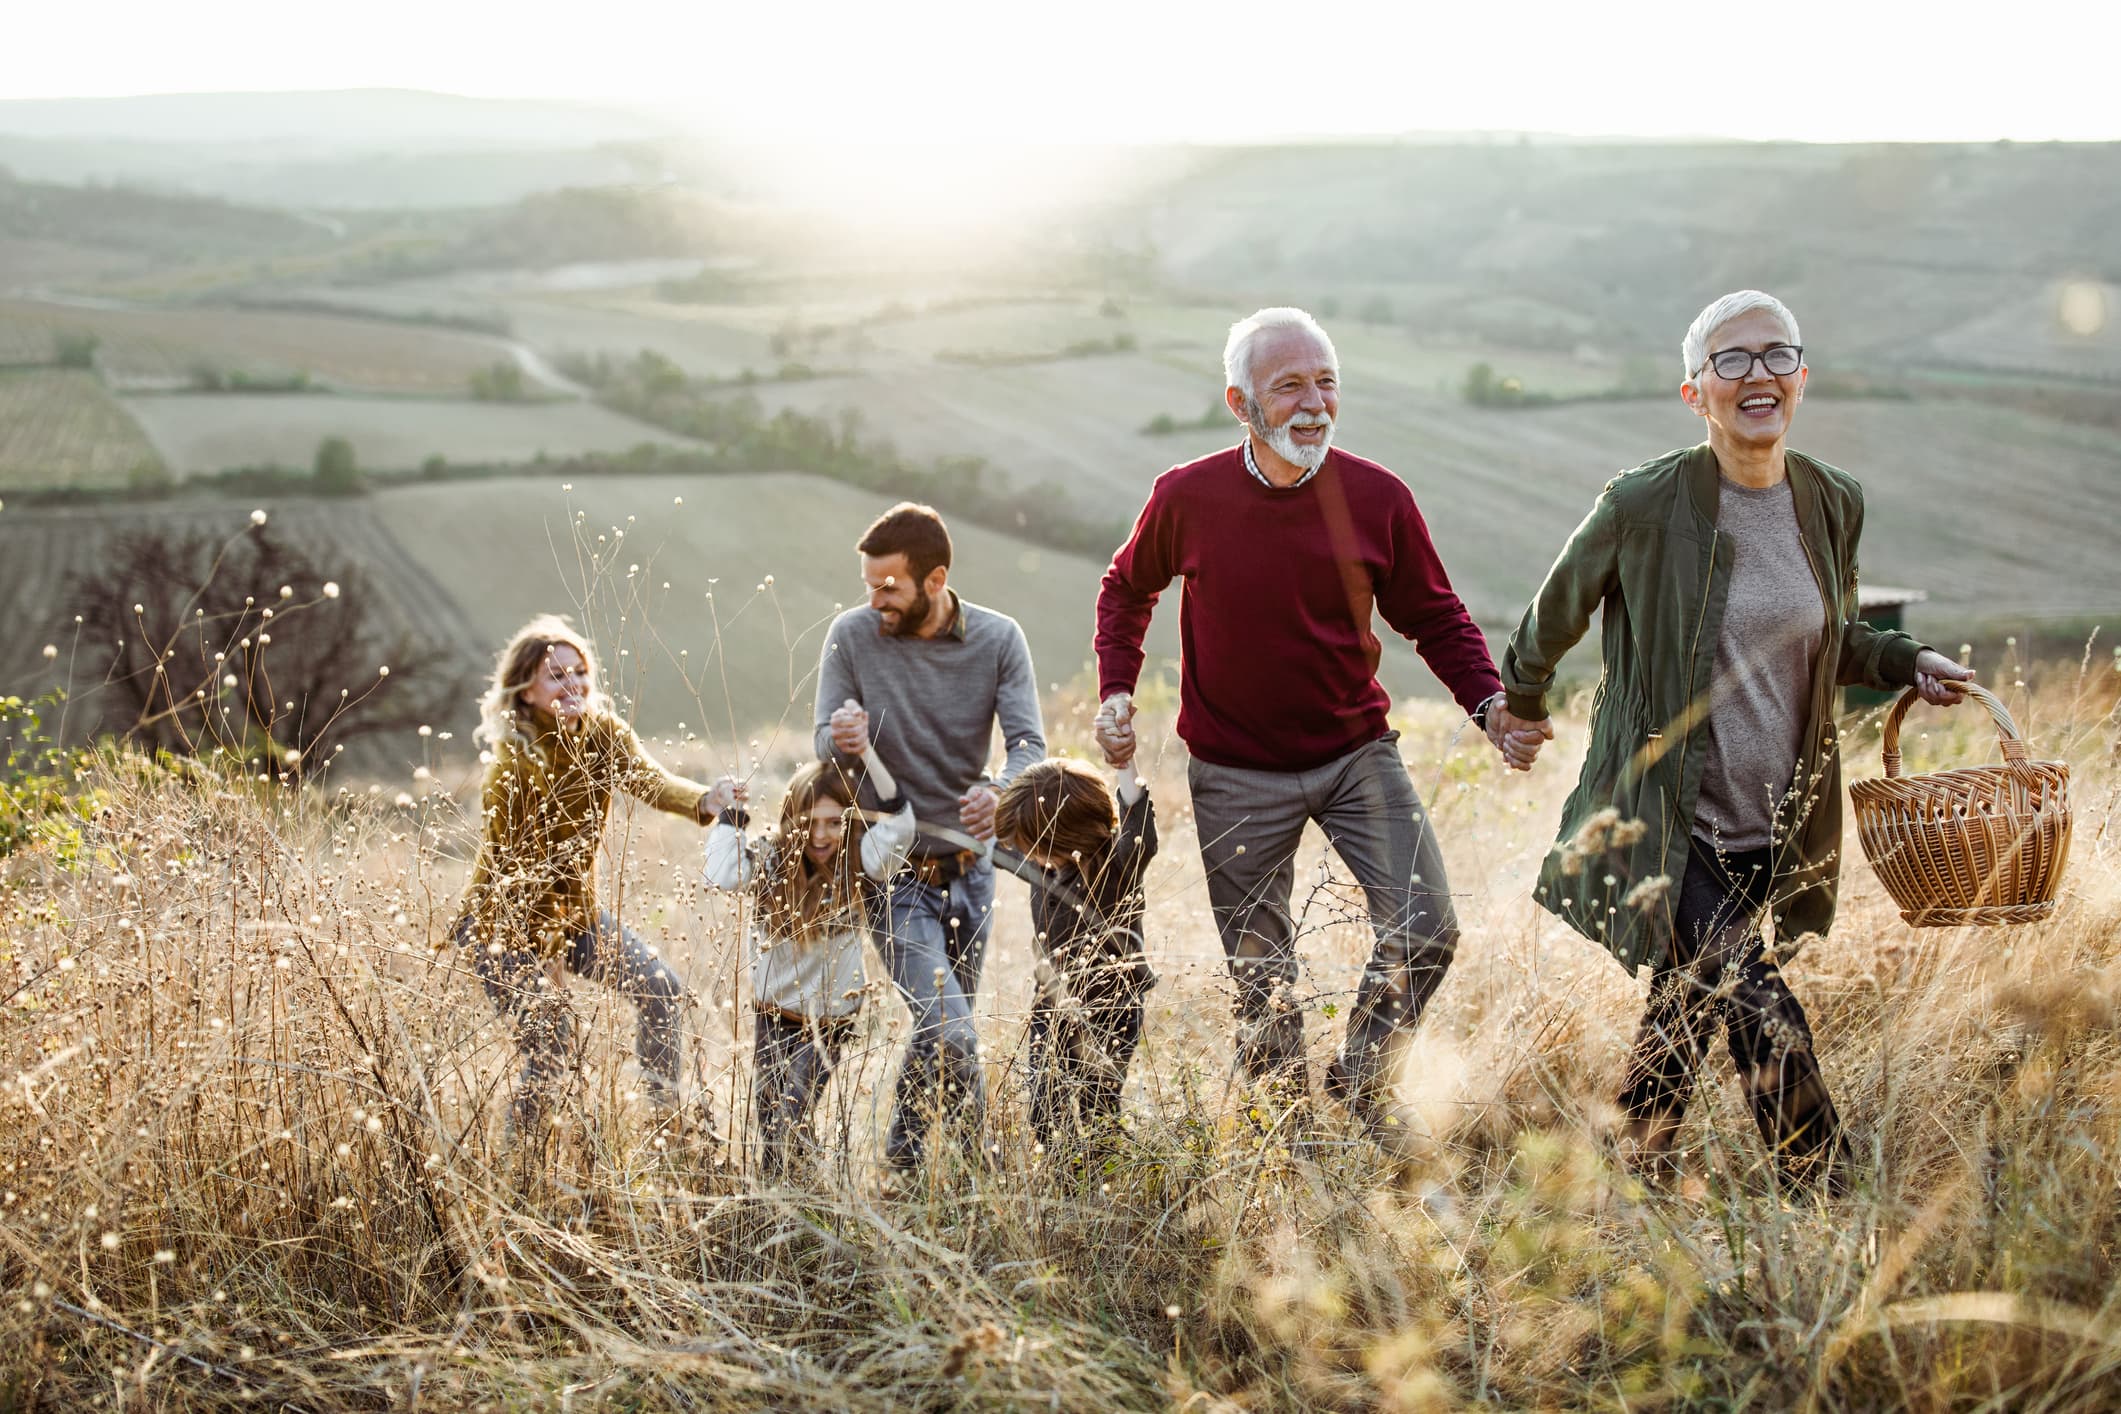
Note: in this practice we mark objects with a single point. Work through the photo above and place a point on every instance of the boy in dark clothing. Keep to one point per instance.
(1086, 913)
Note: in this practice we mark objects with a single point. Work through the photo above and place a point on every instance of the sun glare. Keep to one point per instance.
(925, 188)
(2083, 308)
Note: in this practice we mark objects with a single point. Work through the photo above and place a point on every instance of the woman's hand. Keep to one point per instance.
(1937, 678)
(726, 794)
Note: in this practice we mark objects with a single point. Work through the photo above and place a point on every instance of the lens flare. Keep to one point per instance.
(2083, 307)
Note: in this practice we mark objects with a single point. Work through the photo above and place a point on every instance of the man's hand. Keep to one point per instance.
(1937, 678)
(850, 728)
(1114, 730)
(724, 795)
(1517, 738)
(975, 811)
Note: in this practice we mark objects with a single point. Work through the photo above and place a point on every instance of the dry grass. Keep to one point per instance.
(249, 1154)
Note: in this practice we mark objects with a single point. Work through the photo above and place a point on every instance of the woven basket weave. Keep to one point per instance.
(1980, 844)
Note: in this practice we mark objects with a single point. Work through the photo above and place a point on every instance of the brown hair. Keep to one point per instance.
(796, 901)
(517, 667)
(1060, 808)
(912, 530)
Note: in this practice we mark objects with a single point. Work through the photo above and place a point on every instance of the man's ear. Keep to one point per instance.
(1234, 399)
(937, 578)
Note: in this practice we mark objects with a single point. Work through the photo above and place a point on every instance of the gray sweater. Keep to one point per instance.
(932, 705)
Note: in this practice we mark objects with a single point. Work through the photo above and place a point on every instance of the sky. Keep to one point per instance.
(1099, 71)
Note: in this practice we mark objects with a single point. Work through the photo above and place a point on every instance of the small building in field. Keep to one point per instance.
(1880, 606)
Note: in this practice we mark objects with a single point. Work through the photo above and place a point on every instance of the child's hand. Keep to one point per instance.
(726, 794)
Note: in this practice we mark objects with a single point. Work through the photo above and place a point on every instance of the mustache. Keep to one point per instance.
(1305, 419)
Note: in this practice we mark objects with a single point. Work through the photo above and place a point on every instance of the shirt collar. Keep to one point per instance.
(957, 615)
(1252, 466)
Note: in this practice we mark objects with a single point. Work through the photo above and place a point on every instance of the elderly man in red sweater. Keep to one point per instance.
(1286, 544)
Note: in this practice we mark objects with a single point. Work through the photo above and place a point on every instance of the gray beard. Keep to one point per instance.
(1282, 444)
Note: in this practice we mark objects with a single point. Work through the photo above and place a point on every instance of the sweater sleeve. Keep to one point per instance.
(1016, 708)
(836, 683)
(1126, 599)
(647, 779)
(1871, 657)
(886, 843)
(1560, 613)
(729, 864)
(1417, 600)
(1134, 846)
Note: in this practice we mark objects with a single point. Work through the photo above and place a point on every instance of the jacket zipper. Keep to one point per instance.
(1819, 716)
(1694, 649)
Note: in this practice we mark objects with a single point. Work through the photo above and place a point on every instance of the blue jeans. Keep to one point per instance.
(933, 940)
(515, 979)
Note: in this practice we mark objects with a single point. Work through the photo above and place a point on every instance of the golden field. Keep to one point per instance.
(250, 1150)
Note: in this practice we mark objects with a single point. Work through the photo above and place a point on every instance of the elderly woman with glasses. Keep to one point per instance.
(1709, 805)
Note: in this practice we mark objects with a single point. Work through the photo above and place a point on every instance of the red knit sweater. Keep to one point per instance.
(1279, 665)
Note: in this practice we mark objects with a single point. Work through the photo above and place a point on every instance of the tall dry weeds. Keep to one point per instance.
(249, 1152)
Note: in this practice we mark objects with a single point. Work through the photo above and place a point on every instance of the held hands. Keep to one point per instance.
(850, 728)
(1114, 729)
(1937, 678)
(975, 811)
(724, 795)
(1517, 738)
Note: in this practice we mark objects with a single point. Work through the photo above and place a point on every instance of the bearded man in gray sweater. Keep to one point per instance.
(924, 676)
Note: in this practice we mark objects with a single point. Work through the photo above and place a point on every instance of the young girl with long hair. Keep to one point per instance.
(805, 937)
(556, 754)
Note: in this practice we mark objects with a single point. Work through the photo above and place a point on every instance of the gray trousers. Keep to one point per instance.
(790, 1063)
(515, 979)
(933, 941)
(1250, 823)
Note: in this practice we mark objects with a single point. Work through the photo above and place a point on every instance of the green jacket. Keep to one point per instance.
(1650, 554)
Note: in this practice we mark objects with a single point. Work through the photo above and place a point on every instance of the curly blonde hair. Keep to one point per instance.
(501, 709)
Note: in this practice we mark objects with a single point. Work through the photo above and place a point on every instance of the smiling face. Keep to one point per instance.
(828, 831)
(559, 692)
(903, 604)
(1754, 411)
(1295, 399)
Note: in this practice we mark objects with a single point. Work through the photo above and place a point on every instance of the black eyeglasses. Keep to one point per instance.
(1734, 364)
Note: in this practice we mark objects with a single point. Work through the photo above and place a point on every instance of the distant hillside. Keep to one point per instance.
(1618, 245)
(167, 226)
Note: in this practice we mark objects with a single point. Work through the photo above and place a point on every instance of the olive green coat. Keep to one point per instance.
(544, 801)
(1650, 555)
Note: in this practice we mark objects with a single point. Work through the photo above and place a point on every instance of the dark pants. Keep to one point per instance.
(1250, 823)
(1085, 1026)
(516, 980)
(791, 1061)
(933, 940)
(1717, 971)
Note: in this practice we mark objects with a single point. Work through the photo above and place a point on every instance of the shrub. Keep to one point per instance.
(75, 348)
(336, 473)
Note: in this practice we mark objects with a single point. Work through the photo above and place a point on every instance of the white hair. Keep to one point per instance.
(1237, 352)
(1694, 349)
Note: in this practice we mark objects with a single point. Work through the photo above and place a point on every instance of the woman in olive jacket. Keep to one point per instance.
(1711, 790)
(556, 755)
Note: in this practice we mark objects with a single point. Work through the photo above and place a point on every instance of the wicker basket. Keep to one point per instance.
(1981, 844)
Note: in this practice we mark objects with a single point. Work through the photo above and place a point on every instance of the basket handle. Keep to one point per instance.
(2014, 749)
